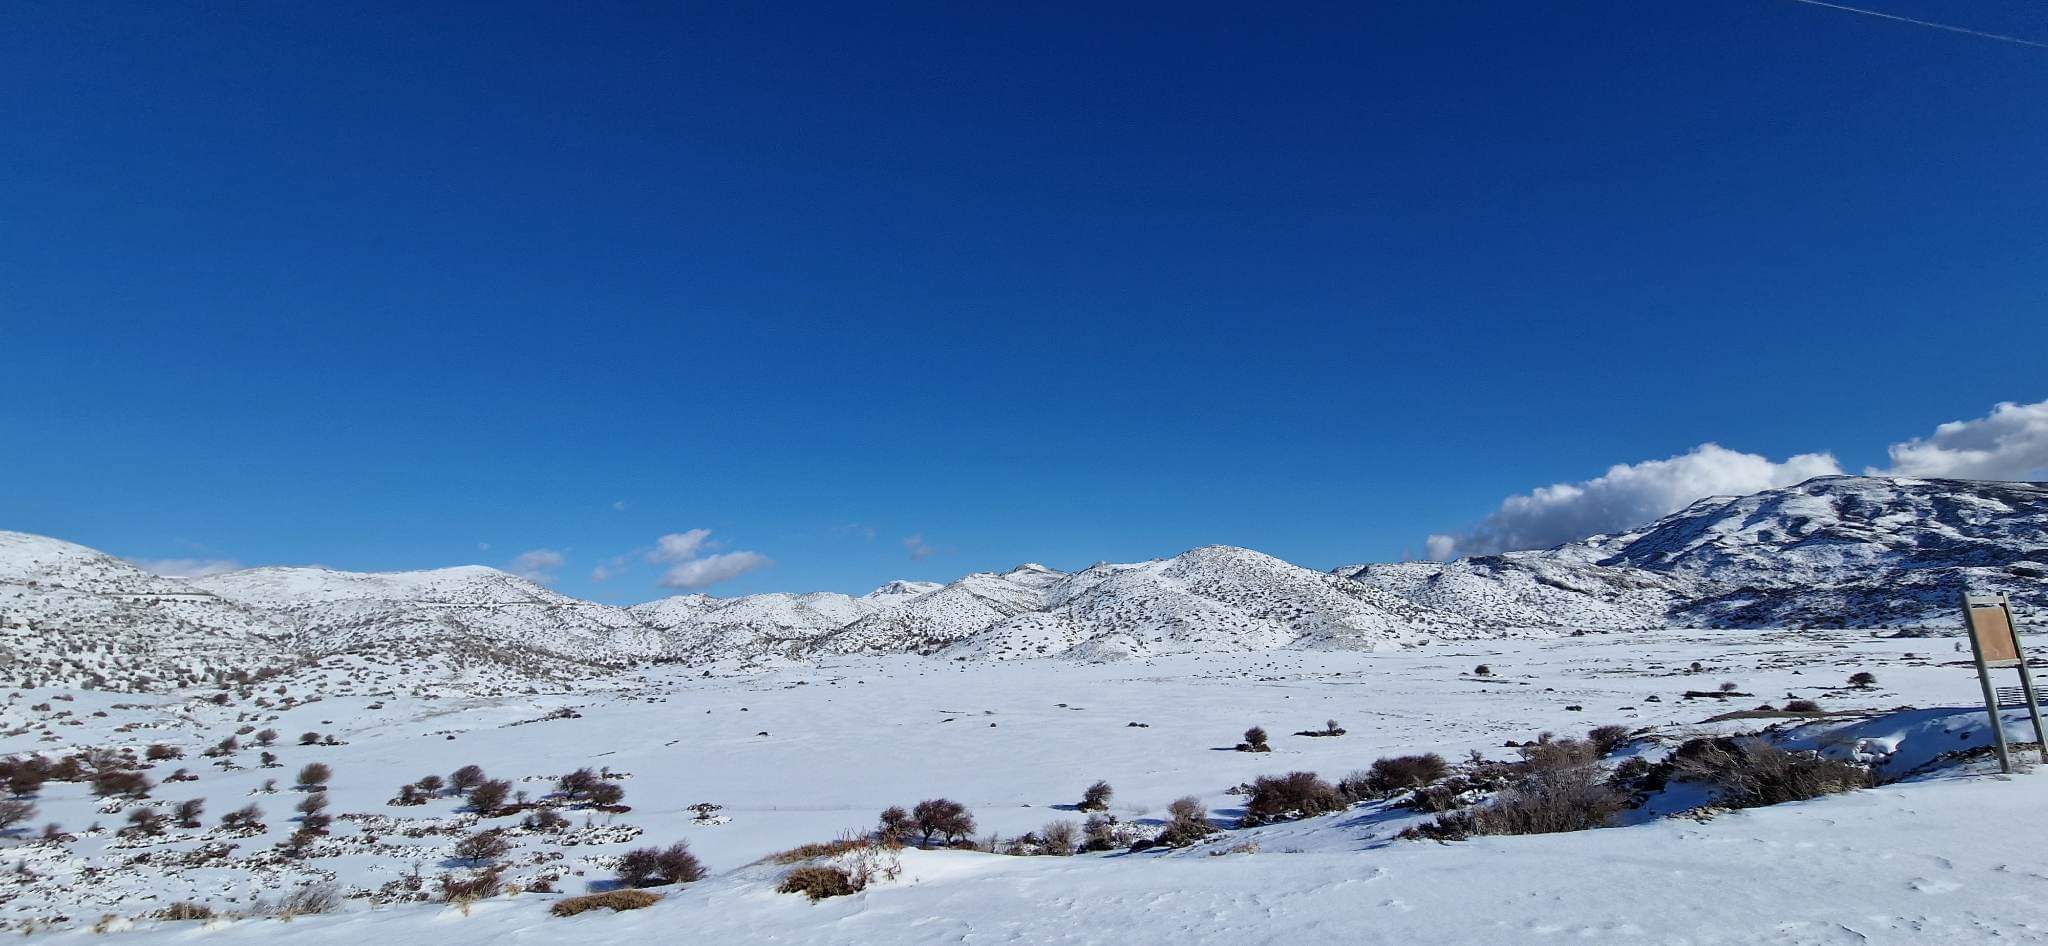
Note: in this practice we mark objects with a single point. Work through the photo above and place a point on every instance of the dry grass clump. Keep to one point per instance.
(185, 910)
(818, 882)
(817, 849)
(469, 888)
(614, 900)
(305, 901)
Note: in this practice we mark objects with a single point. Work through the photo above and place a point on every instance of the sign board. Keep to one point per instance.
(1991, 631)
(1996, 643)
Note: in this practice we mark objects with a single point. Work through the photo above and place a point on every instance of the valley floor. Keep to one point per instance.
(806, 753)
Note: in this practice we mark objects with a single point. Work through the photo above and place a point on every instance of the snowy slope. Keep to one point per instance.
(71, 616)
(807, 753)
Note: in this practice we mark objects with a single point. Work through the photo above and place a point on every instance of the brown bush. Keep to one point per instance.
(818, 882)
(1750, 773)
(895, 825)
(315, 775)
(463, 888)
(461, 780)
(483, 846)
(1606, 739)
(1862, 678)
(544, 819)
(1254, 741)
(1802, 706)
(1187, 821)
(14, 812)
(121, 782)
(185, 910)
(247, 816)
(942, 818)
(610, 900)
(1289, 797)
(1058, 838)
(1096, 798)
(1548, 754)
(816, 849)
(649, 866)
(1395, 774)
(1550, 793)
(676, 865)
(489, 796)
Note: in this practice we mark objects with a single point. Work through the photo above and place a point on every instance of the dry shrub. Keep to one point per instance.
(817, 849)
(1058, 838)
(1606, 739)
(818, 882)
(1289, 797)
(1392, 775)
(614, 900)
(1802, 706)
(185, 910)
(649, 866)
(1750, 773)
(1548, 754)
(942, 818)
(305, 901)
(465, 888)
(1187, 821)
(1551, 794)
(1096, 798)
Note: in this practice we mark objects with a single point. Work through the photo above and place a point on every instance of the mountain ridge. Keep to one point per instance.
(1831, 551)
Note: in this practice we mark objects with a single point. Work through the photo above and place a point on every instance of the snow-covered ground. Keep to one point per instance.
(808, 752)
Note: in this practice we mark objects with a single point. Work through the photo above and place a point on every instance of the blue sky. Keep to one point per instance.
(377, 286)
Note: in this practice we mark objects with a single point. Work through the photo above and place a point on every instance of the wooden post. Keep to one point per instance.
(2026, 680)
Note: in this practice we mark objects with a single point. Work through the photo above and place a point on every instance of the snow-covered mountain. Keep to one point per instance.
(71, 616)
(1843, 550)
(456, 620)
(1831, 551)
(1215, 598)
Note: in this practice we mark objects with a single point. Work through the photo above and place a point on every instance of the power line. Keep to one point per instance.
(1939, 26)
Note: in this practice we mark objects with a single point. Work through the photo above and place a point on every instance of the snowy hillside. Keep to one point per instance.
(1833, 551)
(458, 621)
(1215, 598)
(70, 616)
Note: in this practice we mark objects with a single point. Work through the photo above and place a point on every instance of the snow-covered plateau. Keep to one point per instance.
(747, 727)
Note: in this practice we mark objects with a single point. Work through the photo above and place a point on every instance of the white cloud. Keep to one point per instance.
(1627, 495)
(537, 565)
(2010, 443)
(620, 505)
(689, 567)
(681, 546)
(609, 568)
(918, 549)
(186, 567)
(483, 546)
(856, 530)
(710, 570)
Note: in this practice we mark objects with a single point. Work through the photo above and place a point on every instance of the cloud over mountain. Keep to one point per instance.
(2010, 443)
(1628, 494)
